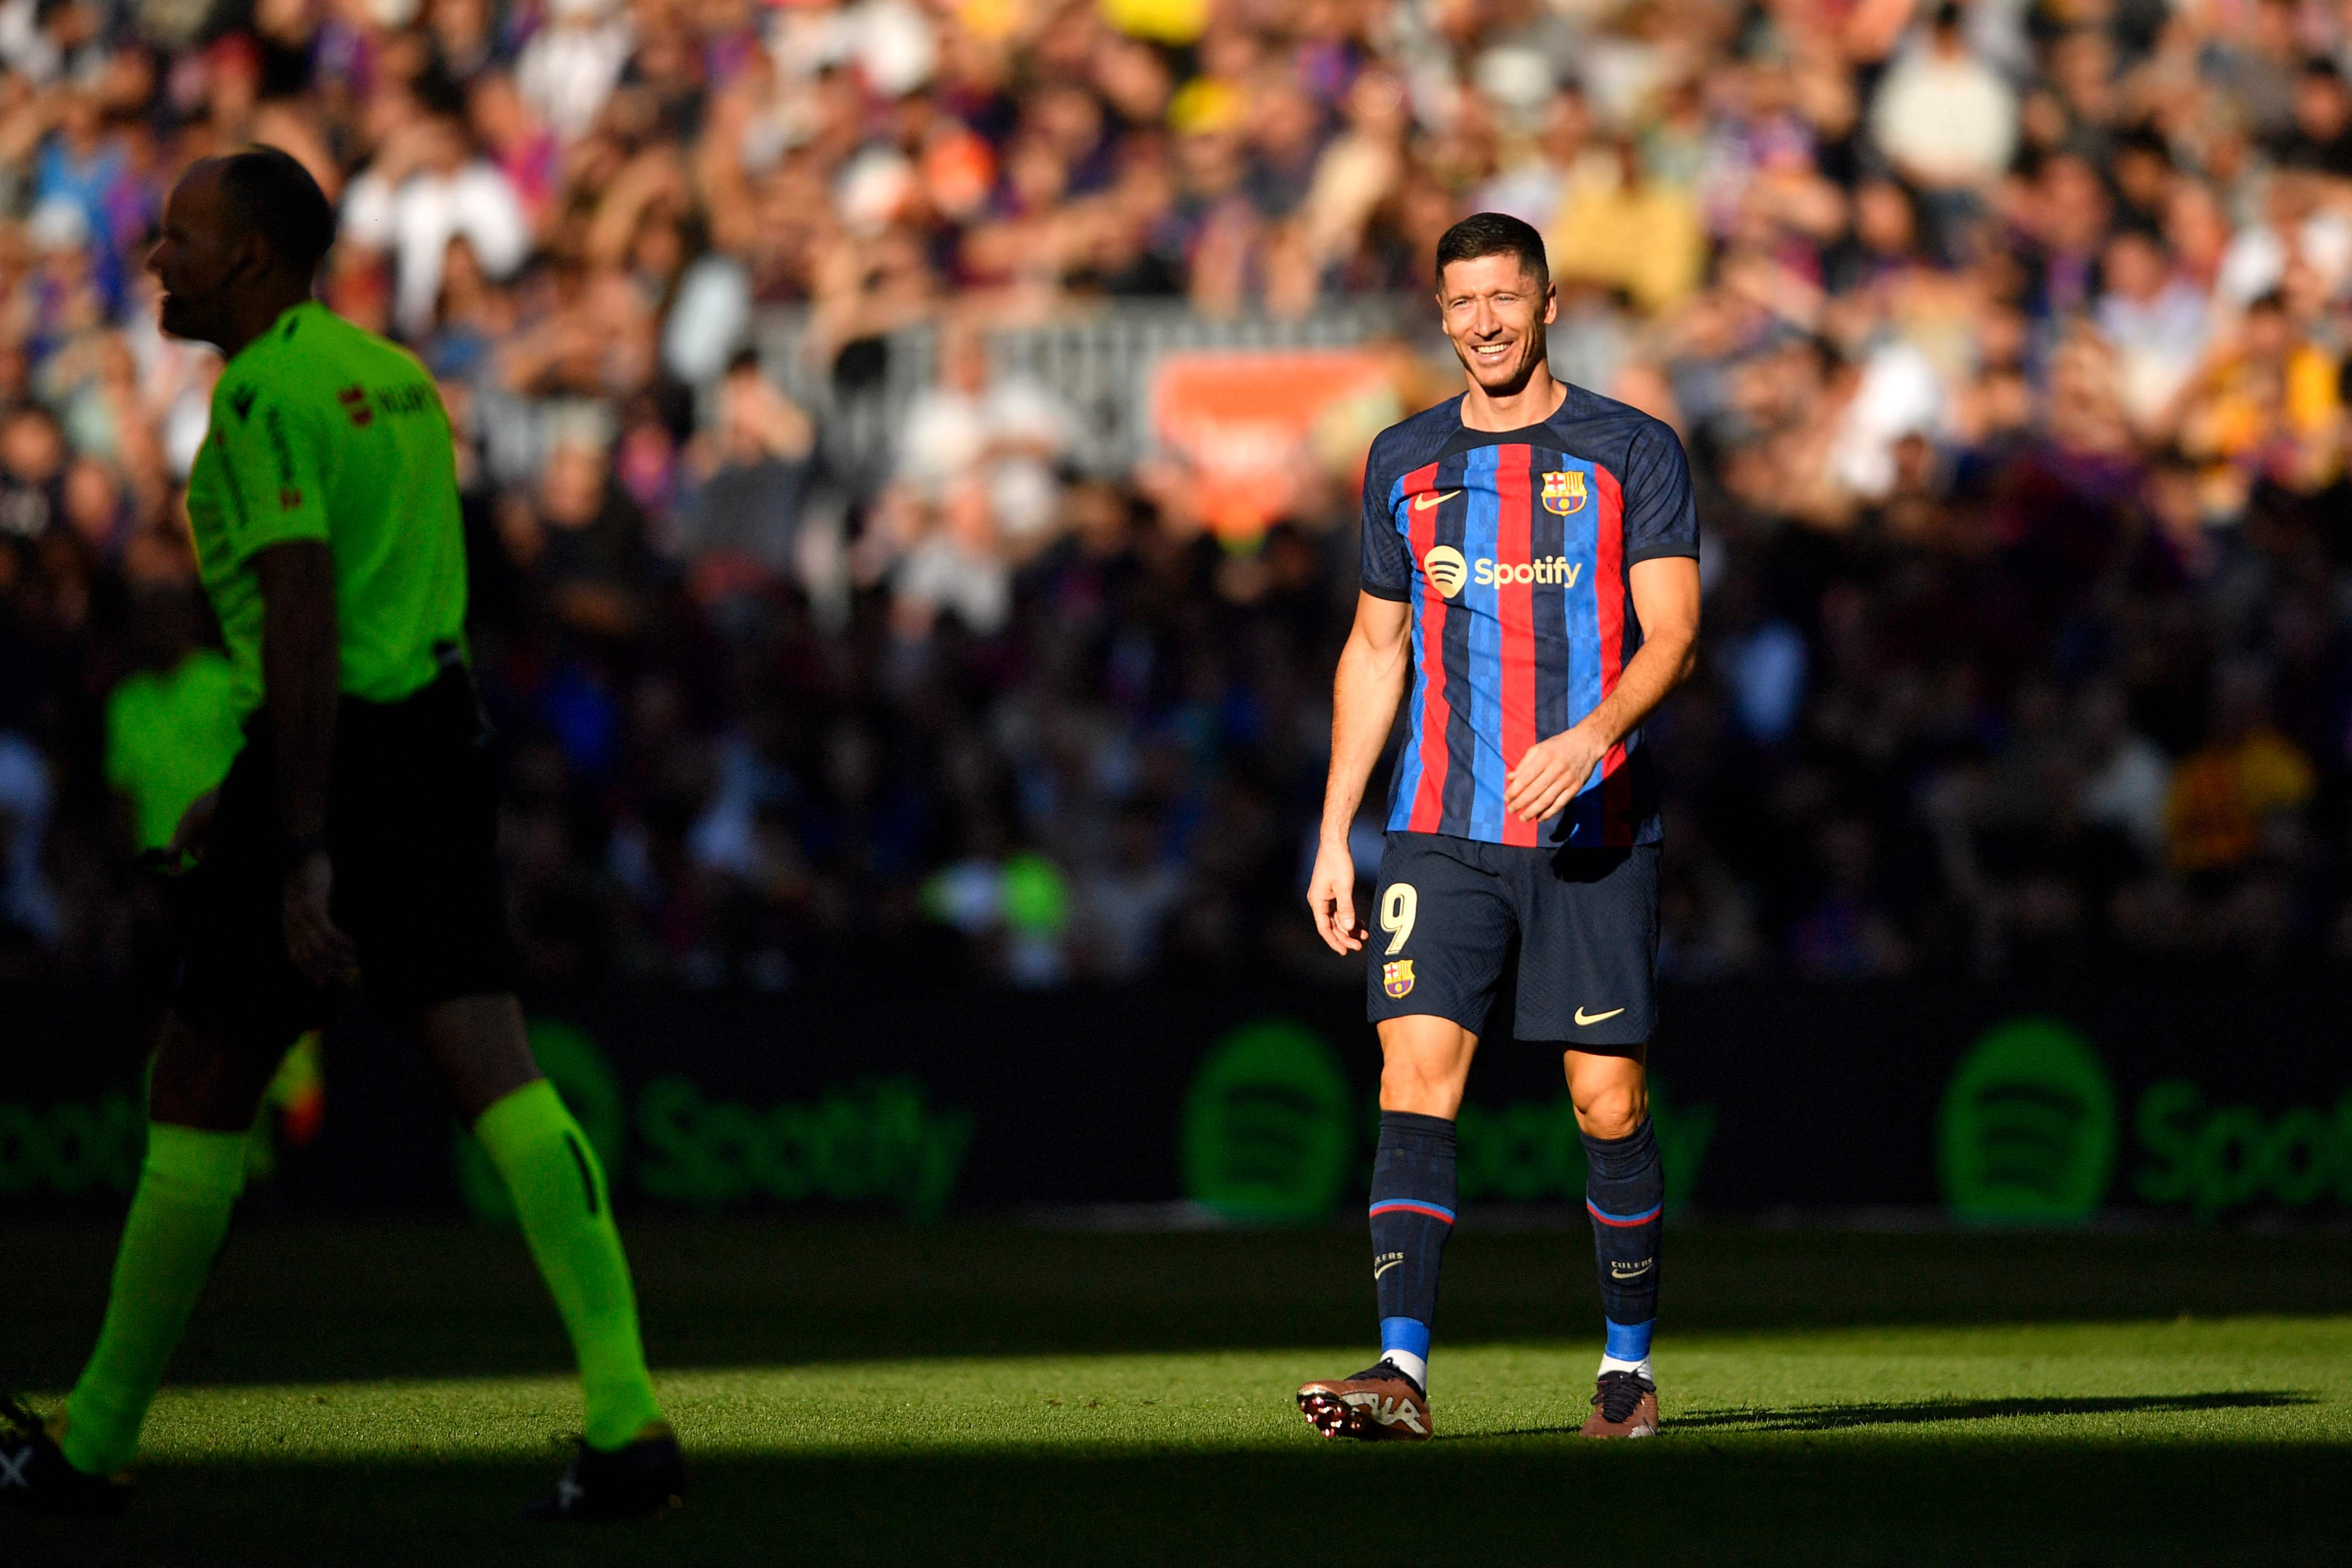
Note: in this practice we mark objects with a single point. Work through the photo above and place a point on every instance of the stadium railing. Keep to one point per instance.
(1099, 363)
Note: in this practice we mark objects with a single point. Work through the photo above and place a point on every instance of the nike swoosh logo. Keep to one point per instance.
(1597, 1018)
(1423, 503)
(1386, 1267)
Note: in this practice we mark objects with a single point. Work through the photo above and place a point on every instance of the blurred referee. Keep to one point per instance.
(351, 841)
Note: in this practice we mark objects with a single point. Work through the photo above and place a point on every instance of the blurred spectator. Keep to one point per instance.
(32, 472)
(1945, 119)
(956, 564)
(2225, 795)
(572, 64)
(1623, 227)
(28, 906)
(840, 609)
(1006, 433)
(2127, 777)
(1122, 907)
(2321, 140)
(2156, 320)
(751, 479)
(425, 189)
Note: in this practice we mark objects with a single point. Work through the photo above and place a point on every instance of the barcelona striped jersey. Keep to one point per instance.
(1515, 550)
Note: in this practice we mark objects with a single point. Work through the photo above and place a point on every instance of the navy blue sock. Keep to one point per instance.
(1412, 1215)
(1625, 1191)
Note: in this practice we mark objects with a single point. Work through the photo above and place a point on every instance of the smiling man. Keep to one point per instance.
(352, 840)
(1530, 562)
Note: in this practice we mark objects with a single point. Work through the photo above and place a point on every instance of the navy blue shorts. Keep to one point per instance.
(1451, 914)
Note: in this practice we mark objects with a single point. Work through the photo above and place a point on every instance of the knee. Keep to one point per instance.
(1407, 1085)
(1611, 1113)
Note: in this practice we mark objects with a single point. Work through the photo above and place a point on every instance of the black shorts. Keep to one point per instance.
(412, 826)
(1451, 914)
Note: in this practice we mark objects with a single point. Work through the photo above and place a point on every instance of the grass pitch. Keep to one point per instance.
(388, 1393)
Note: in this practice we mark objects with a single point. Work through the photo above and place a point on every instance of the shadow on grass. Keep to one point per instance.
(295, 1302)
(1781, 1500)
(1920, 1412)
(1914, 1412)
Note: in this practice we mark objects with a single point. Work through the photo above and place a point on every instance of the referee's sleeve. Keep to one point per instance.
(1387, 558)
(270, 455)
(1660, 518)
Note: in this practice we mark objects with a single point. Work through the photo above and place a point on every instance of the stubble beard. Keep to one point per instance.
(1533, 350)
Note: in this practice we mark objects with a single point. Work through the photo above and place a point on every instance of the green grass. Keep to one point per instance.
(387, 1394)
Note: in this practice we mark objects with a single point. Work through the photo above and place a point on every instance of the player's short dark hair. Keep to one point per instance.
(268, 191)
(1494, 234)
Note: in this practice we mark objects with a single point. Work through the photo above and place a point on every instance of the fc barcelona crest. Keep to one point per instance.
(1396, 978)
(1564, 492)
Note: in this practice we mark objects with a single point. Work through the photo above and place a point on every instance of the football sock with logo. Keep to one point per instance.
(1625, 1192)
(188, 1185)
(559, 1196)
(1413, 1216)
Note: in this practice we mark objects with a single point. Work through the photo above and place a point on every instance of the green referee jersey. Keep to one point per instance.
(321, 431)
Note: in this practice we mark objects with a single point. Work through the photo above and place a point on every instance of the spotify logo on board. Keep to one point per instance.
(2027, 1135)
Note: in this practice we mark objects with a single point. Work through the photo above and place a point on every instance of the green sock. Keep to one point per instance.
(559, 1194)
(186, 1189)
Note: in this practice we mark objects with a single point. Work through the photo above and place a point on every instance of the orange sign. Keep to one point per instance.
(1245, 422)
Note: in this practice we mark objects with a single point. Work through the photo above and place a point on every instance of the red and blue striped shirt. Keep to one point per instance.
(1515, 550)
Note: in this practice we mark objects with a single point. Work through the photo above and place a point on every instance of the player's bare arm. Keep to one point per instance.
(1666, 599)
(1364, 696)
(302, 678)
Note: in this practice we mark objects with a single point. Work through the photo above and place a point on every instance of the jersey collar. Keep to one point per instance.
(288, 324)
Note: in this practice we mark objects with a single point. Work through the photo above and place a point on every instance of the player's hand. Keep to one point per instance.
(316, 944)
(1331, 895)
(195, 829)
(1550, 774)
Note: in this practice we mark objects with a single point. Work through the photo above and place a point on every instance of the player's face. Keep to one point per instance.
(1495, 314)
(198, 260)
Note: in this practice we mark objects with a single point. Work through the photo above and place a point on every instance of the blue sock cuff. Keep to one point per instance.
(1627, 1342)
(1411, 1335)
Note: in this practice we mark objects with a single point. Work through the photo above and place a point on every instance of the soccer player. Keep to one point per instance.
(351, 839)
(1530, 557)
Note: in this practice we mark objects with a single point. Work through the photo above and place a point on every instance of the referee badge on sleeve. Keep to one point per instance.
(1396, 976)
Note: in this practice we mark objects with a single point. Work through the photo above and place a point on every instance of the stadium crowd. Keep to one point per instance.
(2008, 341)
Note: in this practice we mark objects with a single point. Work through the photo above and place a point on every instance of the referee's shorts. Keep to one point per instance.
(412, 828)
(1451, 913)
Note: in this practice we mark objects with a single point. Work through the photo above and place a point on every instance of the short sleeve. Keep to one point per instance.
(1387, 558)
(1661, 516)
(270, 464)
